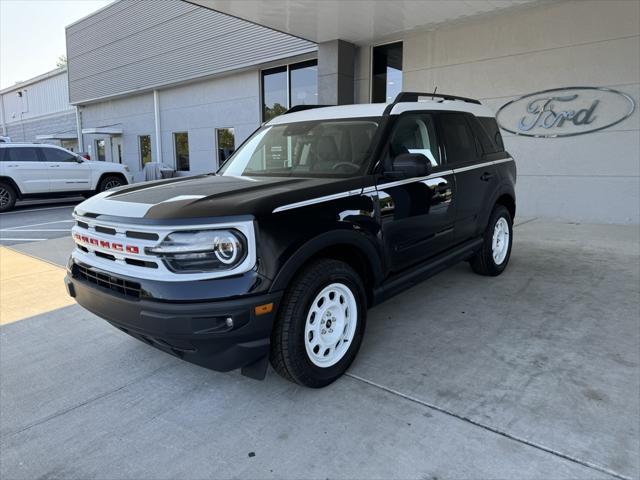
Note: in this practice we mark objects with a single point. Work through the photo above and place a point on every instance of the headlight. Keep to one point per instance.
(202, 251)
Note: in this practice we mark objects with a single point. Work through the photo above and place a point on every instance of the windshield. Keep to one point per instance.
(322, 148)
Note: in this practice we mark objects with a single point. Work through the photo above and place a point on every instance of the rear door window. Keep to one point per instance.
(55, 155)
(460, 143)
(22, 154)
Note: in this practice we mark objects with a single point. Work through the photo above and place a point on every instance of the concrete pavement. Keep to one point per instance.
(533, 374)
(37, 220)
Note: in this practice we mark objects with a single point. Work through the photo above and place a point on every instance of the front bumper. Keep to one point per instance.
(198, 332)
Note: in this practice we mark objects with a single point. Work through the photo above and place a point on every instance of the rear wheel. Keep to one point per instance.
(320, 324)
(8, 197)
(494, 256)
(109, 182)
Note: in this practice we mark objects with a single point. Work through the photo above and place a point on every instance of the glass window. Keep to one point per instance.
(226, 142)
(459, 142)
(491, 128)
(144, 143)
(274, 93)
(322, 148)
(71, 145)
(416, 134)
(304, 83)
(55, 155)
(386, 78)
(278, 94)
(100, 150)
(23, 154)
(181, 147)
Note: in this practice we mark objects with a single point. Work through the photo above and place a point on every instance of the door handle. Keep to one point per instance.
(486, 176)
(54, 166)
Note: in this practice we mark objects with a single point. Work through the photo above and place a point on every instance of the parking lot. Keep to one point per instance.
(533, 374)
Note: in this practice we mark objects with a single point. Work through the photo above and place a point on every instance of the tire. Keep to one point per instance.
(8, 197)
(492, 261)
(304, 321)
(109, 182)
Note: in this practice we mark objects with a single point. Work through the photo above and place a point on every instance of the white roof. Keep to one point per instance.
(377, 109)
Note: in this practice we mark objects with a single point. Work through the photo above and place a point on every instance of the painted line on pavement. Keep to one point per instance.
(35, 210)
(4, 239)
(38, 224)
(36, 230)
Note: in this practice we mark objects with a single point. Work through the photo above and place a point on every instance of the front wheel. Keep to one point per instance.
(109, 182)
(320, 324)
(494, 256)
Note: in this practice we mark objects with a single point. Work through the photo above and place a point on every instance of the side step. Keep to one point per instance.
(401, 281)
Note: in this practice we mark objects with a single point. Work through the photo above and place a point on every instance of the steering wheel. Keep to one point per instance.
(351, 165)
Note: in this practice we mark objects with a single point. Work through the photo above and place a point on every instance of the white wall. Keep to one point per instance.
(42, 97)
(587, 178)
(200, 108)
(197, 108)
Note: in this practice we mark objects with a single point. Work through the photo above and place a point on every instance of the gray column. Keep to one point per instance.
(79, 129)
(336, 72)
(156, 121)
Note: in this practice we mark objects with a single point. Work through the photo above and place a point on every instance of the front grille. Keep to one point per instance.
(108, 235)
(109, 282)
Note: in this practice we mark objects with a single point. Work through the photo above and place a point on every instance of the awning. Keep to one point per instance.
(103, 131)
(357, 21)
(57, 136)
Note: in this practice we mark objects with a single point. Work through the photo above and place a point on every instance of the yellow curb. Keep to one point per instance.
(29, 286)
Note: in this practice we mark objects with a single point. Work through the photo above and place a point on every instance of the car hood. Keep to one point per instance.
(212, 196)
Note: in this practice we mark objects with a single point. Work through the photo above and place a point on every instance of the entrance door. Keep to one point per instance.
(116, 149)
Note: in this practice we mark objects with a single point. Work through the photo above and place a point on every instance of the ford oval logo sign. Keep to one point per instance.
(565, 112)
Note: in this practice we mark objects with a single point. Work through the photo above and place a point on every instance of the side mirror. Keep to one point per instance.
(409, 165)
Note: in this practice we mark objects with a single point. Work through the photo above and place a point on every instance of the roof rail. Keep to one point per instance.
(414, 97)
(301, 108)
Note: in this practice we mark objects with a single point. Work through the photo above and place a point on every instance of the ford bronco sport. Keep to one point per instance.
(322, 213)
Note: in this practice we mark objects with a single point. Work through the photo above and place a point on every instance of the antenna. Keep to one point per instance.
(434, 92)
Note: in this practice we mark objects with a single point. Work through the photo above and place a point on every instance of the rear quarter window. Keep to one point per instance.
(490, 126)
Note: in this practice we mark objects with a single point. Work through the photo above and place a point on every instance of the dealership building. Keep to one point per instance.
(185, 83)
(38, 110)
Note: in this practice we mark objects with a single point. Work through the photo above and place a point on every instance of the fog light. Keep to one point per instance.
(229, 322)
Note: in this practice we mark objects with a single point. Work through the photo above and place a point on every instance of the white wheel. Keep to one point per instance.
(331, 325)
(500, 241)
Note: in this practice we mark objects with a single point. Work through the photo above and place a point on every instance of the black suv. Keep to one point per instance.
(319, 215)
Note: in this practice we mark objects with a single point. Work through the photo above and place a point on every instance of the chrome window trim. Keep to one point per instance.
(350, 193)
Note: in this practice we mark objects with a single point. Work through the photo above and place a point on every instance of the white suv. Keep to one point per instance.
(37, 170)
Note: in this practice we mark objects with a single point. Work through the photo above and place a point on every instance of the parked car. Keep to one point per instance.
(321, 214)
(5, 139)
(32, 170)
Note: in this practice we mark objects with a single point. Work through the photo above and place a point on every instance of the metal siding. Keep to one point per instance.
(43, 97)
(135, 45)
